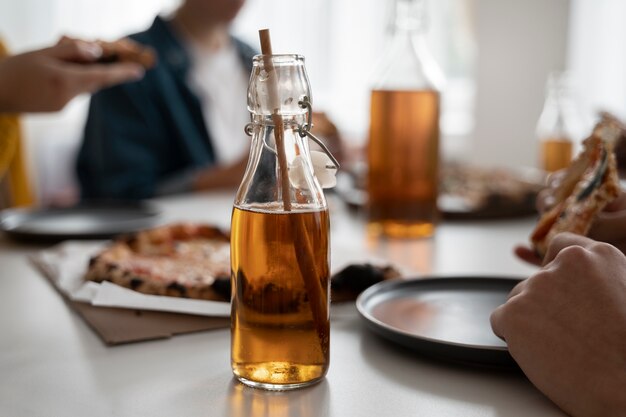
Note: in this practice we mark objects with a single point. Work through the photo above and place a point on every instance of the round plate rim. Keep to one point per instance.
(149, 214)
(391, 285)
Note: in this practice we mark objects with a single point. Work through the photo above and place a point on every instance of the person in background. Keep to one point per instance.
(181, 127)
(566, 324)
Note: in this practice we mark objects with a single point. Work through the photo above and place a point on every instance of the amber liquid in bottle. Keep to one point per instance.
(556, 153)
(403, 156)
(276, 341)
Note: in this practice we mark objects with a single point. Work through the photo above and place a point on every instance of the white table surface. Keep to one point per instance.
(53, 364)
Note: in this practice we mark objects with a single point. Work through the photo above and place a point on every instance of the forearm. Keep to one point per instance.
(219, 177)
(177, 184)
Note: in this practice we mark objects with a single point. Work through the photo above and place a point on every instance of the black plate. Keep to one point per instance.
(443, 317)
(85, 221)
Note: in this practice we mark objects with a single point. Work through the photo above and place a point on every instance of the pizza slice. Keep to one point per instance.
(181, 260)
(590, 183)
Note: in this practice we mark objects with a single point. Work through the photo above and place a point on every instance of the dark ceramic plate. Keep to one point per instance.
(85, 221)
(447, 318)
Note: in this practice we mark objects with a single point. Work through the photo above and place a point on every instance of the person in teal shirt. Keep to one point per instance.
(153, 137)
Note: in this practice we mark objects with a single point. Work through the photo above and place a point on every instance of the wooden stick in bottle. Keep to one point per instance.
(302, 246)
(277, 118)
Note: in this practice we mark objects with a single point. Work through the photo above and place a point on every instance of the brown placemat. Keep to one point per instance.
(124, 325)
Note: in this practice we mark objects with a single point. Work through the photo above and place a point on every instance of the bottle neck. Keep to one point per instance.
(289, 120)
(558, 117)
(410, 17)
(263, 179)
(407, 63)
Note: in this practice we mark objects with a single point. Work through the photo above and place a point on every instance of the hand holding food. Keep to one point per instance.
(47, 79)
(122, 50)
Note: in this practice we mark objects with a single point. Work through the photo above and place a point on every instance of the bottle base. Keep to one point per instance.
(278, 376)
(277, 387)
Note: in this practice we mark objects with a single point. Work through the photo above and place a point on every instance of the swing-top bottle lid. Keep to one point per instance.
(292, 83)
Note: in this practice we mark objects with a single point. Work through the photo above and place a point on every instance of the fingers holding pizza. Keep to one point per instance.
(123, 50)
(558, 243)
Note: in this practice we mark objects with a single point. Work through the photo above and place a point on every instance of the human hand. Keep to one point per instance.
(566, 326)
(46, 79)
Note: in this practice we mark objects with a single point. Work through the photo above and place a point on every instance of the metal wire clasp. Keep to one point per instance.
(303, 130)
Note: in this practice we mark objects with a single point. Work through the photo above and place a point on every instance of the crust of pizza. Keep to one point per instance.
(590, 183)
(180, 260)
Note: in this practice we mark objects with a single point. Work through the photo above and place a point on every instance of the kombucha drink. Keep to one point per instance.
(278, 341)
(403, 157)
(556, 153)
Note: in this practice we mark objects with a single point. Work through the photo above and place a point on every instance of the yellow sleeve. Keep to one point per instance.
(9, 128)
(12, 156)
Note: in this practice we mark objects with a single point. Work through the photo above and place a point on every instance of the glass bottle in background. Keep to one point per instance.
(558, 128)
(403, 148)
(279, 240)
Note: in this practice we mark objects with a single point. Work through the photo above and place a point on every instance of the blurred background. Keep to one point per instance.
(496, 55)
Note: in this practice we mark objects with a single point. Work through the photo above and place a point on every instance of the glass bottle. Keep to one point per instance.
(558, 125)
(279, 240)
(403, 148)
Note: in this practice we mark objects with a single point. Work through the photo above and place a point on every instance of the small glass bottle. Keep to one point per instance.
(558, 126)
(279, 240)
(403, 148)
